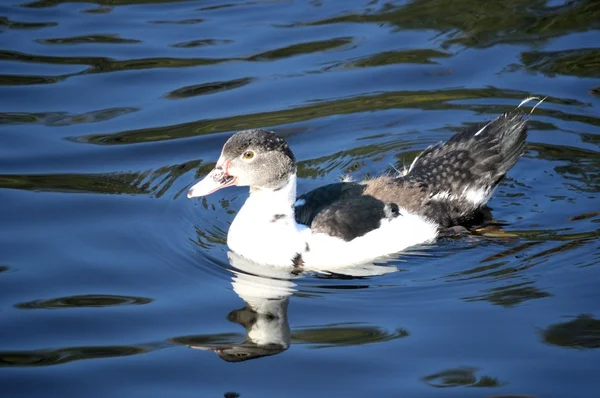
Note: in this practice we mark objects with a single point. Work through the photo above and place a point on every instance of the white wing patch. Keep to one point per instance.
(478, 196)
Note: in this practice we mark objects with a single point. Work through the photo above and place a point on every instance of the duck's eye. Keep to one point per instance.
(248, 155)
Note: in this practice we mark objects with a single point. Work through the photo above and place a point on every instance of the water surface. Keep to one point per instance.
(113, 283)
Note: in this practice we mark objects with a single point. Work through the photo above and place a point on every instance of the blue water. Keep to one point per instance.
(113, 283)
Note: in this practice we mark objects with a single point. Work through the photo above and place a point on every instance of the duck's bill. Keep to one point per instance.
(215, 180)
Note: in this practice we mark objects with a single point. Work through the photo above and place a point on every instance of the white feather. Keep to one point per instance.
(444, 195)
(414, 162)
(526, 100)
(478, 196)
(481, 130)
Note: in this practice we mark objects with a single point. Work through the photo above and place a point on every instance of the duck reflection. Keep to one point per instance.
(266, 292)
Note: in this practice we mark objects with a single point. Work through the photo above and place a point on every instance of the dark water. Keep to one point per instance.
(112, 283)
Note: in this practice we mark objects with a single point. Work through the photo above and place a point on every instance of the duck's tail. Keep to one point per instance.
(461, 174)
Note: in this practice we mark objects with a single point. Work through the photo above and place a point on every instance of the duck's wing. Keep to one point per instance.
(308, 205)
(477, 157)
(461, 174)
(342, 210)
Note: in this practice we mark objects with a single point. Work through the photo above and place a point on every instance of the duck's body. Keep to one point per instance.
(270, 226)
(349, 223)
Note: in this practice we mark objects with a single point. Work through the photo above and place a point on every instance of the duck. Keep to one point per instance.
(347, 223)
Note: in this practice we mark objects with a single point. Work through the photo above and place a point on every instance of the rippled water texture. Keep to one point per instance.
(114, 284)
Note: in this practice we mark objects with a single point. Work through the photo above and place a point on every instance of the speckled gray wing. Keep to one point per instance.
(474, 160)
(343, 211)
(478, 156)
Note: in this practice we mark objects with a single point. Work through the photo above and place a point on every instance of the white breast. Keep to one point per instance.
(265, 230)
(268, 242)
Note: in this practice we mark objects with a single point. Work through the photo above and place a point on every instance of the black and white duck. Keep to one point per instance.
(347, 223)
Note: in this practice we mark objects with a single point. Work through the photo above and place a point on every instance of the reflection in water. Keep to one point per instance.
(68, 354)
(64, 355)
(56, 119)
(87, 300)
(486, 23)
(12, 24)
(149, 182)
(420, 56)
(88, 183)
(106, 65)
(580, 168)
(582, 332)
(461, 377)
(336, 335)
(200, 43)
(191, 21)
(265, 315)
(499, 268)
(582, 62)
(423, 99)
(508, 296)
(266, 291)
(208, 88)
(585, 216)
(88, 39)
(301, 48)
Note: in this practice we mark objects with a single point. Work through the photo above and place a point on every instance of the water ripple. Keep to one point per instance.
(65, 355)
(11, 24)
(208, 88)
(582, 332)
(89, 39)
(202, 42)
(111, 109)
(85, 301)
(364, 103)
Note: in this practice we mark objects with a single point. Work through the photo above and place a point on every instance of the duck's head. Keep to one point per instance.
(256, 158)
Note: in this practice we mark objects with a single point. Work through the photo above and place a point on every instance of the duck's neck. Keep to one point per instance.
(267, 202)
